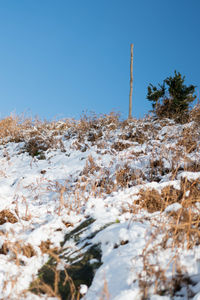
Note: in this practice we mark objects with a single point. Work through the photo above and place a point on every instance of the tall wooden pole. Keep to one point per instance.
(131, 84)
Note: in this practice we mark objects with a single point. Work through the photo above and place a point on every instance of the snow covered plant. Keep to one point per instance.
(100, 208)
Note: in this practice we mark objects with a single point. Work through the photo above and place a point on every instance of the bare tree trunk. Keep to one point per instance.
(131, 84)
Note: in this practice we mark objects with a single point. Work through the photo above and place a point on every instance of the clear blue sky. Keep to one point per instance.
(59, 58)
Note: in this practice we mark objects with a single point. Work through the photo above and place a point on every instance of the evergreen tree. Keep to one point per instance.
(173, 101)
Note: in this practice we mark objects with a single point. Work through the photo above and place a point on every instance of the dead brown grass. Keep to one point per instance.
(9, 128)
(181, 229)
(127, 177)
(105, 295)
(195, 113)
(37, 135)
(154, 275)
(7, 216)
(183, 225)
(91, 127)
(189, 139)
(50, 281)
(17, 248)
(120, 146)
(90, 166)
(153, 201)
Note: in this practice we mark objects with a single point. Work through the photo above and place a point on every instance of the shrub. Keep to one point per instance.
(172, 102)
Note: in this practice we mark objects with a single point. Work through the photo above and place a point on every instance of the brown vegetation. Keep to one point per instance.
(7, 216)
(182, 227)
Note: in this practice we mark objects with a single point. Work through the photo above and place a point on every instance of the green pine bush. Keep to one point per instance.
(172, 98)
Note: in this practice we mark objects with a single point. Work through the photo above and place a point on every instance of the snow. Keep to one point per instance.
(173, 207)
(83, 289)
(31, 189)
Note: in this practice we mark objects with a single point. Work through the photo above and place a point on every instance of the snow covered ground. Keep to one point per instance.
(139, 181)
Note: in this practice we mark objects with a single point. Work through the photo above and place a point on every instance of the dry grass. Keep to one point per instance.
(120, 146)
(17, 248)
(7, 216)
(154, 275)
(10, 128)
(105, 295)
(189, 139)
(52, 289)
(37, 135)
(40, 136)
(183, 225)
(90, 167)
(181, 229)
(50, 281)
(153, 201)
(195, 113)
(127, 177)
(91, 127)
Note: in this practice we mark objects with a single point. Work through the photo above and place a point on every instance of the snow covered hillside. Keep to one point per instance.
(100, 209)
